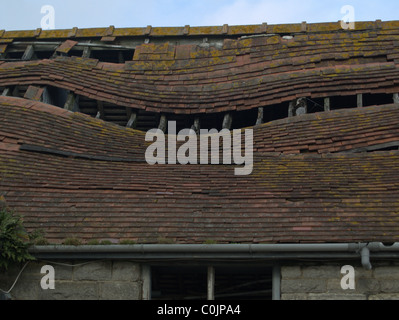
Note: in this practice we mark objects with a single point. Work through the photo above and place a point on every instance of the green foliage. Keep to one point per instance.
(14, 240)
(93, 242)
(37, 238)
(72, 242)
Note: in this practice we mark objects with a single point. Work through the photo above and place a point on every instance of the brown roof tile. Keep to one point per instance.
(77, 176)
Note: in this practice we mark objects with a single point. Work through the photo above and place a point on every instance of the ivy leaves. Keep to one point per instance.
(14, 240)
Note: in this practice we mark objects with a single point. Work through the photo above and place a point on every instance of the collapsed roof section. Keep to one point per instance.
(194, 71)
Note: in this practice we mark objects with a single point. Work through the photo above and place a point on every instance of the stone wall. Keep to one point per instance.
(123, 280)
(323, 282)
(105, 280)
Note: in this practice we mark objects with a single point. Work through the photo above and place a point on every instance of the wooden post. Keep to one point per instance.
(72, 103)
(46, 96)
(132, 123)
(227, 121)
(6, 92)
(196, 126)
(276, 283)
(100, 108)
(396, 98)
(146, 274)
(29, 52)
(360, 100)
(211, 283)
(327, 103)
(163, 123)
(86, 52)
(260, 116)
(15, 91)
(121, 59)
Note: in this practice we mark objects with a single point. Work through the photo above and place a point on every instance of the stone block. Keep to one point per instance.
(322, 272)
(26, 290)
(71, 290)
(384, 296)
(387, 272)
(125, 271)
(336, 296)
(95, 271)
(294, 296)
(303, 285)
(389, 285)
(117, 290)
(291, 272)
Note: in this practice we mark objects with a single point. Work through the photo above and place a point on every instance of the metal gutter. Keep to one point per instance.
(204, 252)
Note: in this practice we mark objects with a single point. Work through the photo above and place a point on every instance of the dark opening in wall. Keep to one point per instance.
(88, 106)
(212, 121)
(44, 54)
(183, 121)
(113, 56)
(243, 119)
(234, 282)
(147, 120)
(57, 96)
(19, 91)
(178, 283)
(275, 112)
(15, 55)
(75, 53)
(243, 283)
(343, 102)
(377, 99)
(315, 105)
(114, 114)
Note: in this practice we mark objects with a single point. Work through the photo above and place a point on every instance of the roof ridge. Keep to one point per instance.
(111, 31)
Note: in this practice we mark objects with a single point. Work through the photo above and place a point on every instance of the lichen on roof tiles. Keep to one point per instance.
(313, 181)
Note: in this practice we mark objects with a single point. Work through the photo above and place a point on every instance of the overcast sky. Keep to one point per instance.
(26, 14)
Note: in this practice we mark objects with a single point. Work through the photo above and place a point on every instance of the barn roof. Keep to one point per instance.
(327, 176)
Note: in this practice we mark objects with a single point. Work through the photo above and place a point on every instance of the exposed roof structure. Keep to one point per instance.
(331, 175)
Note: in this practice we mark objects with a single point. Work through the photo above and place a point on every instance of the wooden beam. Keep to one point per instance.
(15, 91)
(259, 120)
(121, 59)
(196, 126)
(100, 108)
(146, 276)
(291, 108)
(71, 103)
(227, 121)
(276, 283)
(327, 104)
(132, 123)
(29, 52)
(6, 92)
(86, 52)
(163, 123)
(211, 283)
(360, 100)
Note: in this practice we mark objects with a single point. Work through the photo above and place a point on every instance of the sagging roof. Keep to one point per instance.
(241, 69)
(289, 198)
(330, 175)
